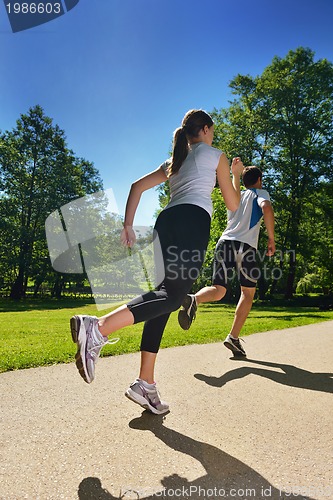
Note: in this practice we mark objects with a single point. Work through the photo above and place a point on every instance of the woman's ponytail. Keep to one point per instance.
(179, 151)
(194, 121)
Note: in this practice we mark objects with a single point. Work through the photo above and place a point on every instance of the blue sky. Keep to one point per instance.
(118, 75)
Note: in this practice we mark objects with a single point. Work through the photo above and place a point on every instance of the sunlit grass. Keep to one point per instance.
(35, 334)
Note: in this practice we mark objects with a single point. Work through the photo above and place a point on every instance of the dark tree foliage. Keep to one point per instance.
(282, 121)
(38, 174)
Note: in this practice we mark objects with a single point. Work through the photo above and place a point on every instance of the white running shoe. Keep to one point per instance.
(89, 343)
(147, 396)
(234, 345)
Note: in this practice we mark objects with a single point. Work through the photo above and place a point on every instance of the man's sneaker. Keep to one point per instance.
(147, 396)
(89, 343)
(187, 314)
(234, 345)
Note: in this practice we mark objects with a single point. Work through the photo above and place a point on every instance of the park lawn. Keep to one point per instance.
(38, 334)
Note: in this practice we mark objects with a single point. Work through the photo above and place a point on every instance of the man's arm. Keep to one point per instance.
(269, 223)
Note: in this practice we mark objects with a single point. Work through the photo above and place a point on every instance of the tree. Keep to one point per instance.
(38, 174)
(300, 93)
(283, 121)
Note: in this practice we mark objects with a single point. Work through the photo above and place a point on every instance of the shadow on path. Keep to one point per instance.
(292, 376)
(225, 475)
(91, 488)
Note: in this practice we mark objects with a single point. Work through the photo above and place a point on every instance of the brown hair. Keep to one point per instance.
(194, 121)
(251, 175)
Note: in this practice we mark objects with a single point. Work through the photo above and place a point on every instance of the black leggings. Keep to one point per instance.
(183, 232)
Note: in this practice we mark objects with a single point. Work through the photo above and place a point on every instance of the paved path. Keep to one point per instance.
(239, 429)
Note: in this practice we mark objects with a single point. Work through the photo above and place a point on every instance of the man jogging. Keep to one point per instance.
(236, 249)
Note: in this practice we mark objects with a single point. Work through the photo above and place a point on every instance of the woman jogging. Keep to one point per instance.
(183, 230)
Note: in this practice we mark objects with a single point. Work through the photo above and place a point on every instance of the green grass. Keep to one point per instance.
(35, 333)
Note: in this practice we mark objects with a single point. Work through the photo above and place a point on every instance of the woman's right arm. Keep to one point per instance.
(138, 187)
(230, 189)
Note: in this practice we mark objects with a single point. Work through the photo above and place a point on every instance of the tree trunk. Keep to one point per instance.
(38, 283)
(17, 292)
(58, 287)
(20, 284)
(262, 288)
(291, 276)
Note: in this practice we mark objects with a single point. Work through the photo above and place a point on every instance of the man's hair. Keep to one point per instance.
(251, 175)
